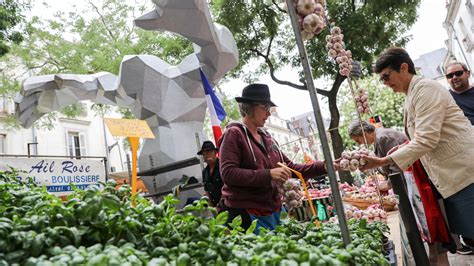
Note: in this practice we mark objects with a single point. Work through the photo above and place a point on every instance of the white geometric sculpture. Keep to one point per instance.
(170, 98)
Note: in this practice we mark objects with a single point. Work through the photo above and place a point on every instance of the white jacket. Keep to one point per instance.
(441, 136)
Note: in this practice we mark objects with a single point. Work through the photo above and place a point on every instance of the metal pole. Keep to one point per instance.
(198, 145)
(35, 140)
(409, 221)
(129, 168)
(28, 145)
(319, 122)
(120, 154)
(106, 170)
(107, 152)
(155, 187)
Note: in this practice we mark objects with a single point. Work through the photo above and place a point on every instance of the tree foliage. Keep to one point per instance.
(10, 18)
(264, 38)
(74, 43)
(70, 43)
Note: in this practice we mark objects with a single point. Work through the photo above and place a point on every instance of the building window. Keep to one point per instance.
(76, 144)
(470, 6)
(3, 140)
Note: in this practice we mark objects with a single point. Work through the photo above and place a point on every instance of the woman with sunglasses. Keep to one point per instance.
(440, 136)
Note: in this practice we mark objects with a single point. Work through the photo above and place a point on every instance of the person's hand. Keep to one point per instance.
(374, 162)
(209, 201)
(336, 164)
(280, 174)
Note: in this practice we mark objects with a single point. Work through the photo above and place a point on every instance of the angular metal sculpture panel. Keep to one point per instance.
(170, 98)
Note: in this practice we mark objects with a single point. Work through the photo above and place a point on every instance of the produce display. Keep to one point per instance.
(326, 192)
(371, 214)
(371, 184)
(372, 197)
(363, 200)
(94, 227)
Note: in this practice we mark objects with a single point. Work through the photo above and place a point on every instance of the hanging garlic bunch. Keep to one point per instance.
(292, 196)
(311, 15)
(336, 49)
(362, 101)
(350, 161)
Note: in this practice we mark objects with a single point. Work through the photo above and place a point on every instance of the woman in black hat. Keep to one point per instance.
(248, 163)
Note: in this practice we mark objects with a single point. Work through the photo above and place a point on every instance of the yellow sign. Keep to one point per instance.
(129, 128)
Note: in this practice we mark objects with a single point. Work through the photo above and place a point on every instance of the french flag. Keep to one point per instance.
(215, 108)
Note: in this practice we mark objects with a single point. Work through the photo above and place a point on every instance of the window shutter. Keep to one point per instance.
(69, 144)
(82, 143)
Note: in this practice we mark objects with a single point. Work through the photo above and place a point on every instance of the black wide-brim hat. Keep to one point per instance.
(207, 145)
(255, 93)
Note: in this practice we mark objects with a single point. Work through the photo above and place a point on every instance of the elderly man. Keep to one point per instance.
(383, 139)
(211, 176)
(440, 136)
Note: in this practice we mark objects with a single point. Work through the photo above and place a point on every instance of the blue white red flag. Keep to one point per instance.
(216, 110)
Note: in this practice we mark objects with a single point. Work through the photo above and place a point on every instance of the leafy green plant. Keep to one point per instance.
(100, 227)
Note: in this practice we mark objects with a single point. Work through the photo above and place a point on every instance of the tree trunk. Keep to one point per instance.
(336, 140)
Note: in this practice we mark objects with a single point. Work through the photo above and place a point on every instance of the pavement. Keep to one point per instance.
(394, 224)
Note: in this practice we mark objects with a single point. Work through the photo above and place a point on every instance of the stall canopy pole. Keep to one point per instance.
(409, 220)
(319, 122)
(134, 147)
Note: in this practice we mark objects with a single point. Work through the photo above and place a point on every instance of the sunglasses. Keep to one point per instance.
(385, 77)
(456, 73)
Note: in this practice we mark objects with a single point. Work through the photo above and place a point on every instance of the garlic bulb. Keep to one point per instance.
(311, 15)
(362, 102)
(292, 195)
(319, 9)
(306, 35)
(311, 22)
(305, 7)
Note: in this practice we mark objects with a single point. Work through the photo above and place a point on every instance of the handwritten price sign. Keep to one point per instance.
(129, 128)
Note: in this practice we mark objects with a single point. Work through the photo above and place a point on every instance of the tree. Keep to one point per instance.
(382, 100)
(231, 108)
(262, 32)
(10, 17)
(69, 43)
